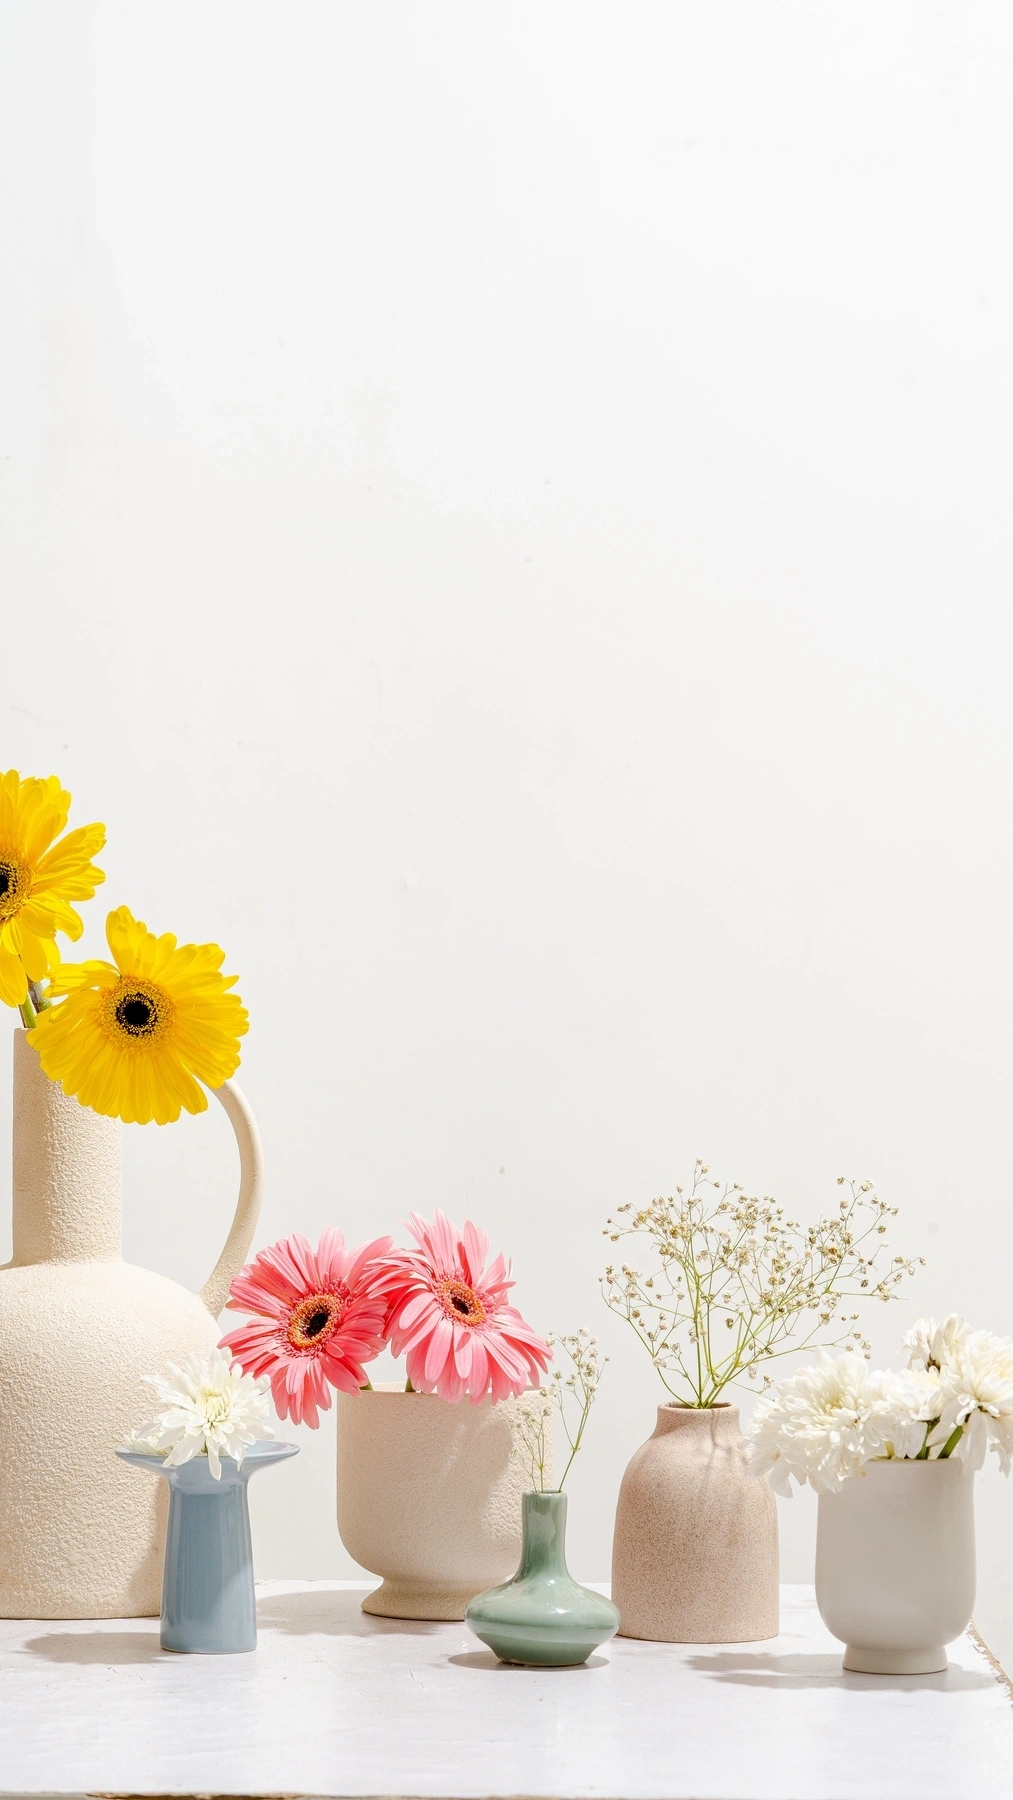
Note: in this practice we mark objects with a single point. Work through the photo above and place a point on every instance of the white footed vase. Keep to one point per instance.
(429, 1496)
(895, 1565)
(80, 1536)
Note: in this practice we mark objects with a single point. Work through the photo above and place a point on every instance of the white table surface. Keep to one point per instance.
(335, 1703)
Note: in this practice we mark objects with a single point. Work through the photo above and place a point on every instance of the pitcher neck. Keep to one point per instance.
(543, 1549)
(67, 1172)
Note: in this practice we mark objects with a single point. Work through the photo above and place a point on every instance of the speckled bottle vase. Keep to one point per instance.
(209, 1603)
(80, 1536)
(695, 1556)
(543, 1617)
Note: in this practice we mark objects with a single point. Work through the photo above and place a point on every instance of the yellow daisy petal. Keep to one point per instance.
(13, 980)
(71, 976)
(39, 877)
(135, 1041)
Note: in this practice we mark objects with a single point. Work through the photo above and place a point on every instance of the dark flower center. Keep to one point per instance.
(461, 1300)
(137, 1014)
(14, 878)
(312, 1321)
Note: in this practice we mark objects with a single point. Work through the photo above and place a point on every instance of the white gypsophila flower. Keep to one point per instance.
(211, 1409)
(933, 1346)
(732, 1279)
(823, 1425)
(976, 1390)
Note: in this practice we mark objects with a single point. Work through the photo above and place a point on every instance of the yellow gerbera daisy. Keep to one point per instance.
(39, 878)
(128, 1040)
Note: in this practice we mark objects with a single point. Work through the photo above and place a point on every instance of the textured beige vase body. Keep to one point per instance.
(80, 1536)
(429, 1496)
(895, 1564)
(694, 1558)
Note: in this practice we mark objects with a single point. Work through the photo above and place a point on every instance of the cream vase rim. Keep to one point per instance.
(918, 1462)
(684, 1406)
(394, 1390)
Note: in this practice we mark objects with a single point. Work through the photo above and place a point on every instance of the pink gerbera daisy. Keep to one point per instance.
(320, 1315)
(450, 1316)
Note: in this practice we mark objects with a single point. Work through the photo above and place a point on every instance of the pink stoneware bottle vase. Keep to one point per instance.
(80, 1536)
(695, 1555)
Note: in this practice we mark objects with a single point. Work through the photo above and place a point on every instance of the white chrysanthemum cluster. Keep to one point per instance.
(975, 1375)
(955, 1398)
(212, 1409)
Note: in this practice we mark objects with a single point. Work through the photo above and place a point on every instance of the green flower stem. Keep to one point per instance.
(28, 1014)
(38, 998)
(408, 1386)
(951, 1442)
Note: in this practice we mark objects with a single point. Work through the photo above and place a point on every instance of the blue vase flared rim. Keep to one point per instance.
(265, 1450)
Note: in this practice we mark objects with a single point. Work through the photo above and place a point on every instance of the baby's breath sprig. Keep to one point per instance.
(571, 1395)
(729, 1262)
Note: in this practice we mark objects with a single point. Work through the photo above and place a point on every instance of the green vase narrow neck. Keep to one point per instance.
(543, 1550)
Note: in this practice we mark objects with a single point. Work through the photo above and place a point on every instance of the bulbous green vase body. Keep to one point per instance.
(543, 1617)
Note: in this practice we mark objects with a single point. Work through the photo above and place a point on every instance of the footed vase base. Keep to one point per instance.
(895, 1662)
(415, 1600)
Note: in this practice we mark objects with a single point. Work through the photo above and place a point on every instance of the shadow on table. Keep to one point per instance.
(97, 1647)
(332, 1612)
(763, 1669)
(484, 1659)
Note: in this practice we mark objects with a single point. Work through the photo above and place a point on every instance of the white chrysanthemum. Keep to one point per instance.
(933, 1346)
(976, 1391)
(144, 1441)
(822, 1425)
(211, 1409)
(911, 1400)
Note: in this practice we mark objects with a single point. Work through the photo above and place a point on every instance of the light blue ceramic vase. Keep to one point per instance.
(543, 1617)
(208, 1599)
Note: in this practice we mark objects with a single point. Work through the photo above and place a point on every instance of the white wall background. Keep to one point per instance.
(505, 513)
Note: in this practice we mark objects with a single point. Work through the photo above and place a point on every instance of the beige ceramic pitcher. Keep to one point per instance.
(80, 1536)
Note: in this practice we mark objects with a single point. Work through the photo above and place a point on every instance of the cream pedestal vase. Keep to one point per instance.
(80, 1536)
(695, 1556)
(895, 1564)
(429, 1496)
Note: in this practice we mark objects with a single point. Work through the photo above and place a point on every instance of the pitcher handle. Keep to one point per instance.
(215, 1291)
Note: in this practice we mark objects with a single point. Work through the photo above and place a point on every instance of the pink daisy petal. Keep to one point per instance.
(318, 1319)
(475, 1245)
(261, 1284)
(478, 1375)
(450, 1318)
(296, 1258)
(331, 1256)
(415, 1308)
(360, 1261)
(464, 1350)
(440, 1349)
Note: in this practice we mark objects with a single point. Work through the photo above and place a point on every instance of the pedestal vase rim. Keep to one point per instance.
(264, 1451)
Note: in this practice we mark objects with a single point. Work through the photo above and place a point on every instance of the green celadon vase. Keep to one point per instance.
(543, 1617)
